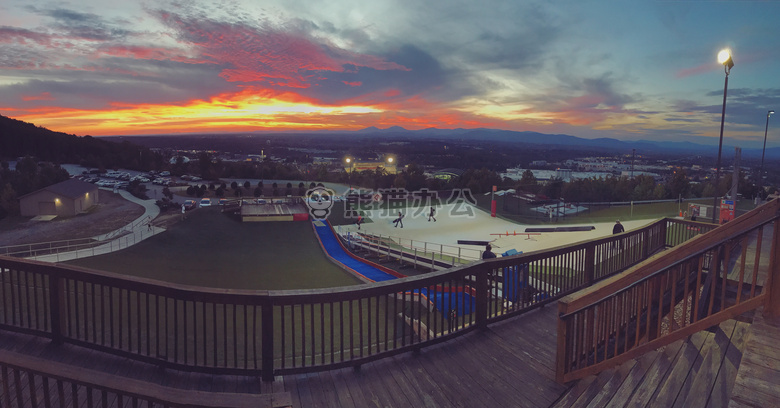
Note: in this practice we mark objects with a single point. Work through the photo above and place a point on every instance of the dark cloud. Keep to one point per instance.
(120, 81)
(687, 120)
(422, 75)
(81, 25)
(744, 106)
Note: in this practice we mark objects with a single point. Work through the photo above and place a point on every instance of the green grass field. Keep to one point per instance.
(212, 249)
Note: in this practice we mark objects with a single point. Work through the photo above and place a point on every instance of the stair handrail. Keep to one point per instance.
(632, 306)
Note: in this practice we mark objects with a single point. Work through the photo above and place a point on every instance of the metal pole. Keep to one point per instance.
(720, 147)
(761, 172)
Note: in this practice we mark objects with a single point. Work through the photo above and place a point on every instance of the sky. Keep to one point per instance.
(631, 70)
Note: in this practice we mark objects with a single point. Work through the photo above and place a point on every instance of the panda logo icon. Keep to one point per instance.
(319, 200)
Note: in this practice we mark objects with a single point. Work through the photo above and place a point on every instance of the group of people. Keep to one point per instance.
(400, 220)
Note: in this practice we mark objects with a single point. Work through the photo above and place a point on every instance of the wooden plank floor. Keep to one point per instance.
(511, 364)
(758, 376)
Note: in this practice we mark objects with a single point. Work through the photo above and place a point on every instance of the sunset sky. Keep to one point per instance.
(623, 69)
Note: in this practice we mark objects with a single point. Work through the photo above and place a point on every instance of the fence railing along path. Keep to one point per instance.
(696, 285)
(426, 254)
(279, 332)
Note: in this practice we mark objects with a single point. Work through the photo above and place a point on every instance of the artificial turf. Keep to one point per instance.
(212, 249)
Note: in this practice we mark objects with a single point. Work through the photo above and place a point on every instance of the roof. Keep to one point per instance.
(450, 171)
(72, 188)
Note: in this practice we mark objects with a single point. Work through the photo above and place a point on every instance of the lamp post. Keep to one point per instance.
(724, 57)
(348, 168)
(761, 172)
(390, 160)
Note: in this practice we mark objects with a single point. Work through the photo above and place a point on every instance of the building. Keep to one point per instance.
(65, 199)
(447, 174)
(356, 166)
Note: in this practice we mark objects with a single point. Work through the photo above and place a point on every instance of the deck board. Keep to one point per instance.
(758, 375)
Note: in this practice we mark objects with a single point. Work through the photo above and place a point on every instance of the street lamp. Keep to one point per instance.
(348, 160)
(761, 173)
(724, 57)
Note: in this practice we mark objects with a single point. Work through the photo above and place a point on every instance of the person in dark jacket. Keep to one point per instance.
(618, 228)
(488, 252)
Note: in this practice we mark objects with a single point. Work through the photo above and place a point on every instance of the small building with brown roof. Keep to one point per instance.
(65, 199)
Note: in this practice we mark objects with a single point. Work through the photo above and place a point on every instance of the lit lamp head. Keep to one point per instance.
(724, 57)
(768, 114)
(390, 160)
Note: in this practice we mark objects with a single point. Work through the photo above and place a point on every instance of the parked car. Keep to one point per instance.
(189, 204)
(205, 202)
(223, 201)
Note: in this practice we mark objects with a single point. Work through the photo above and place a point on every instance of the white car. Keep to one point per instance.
(206, 202)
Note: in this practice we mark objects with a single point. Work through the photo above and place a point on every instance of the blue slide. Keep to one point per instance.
(333, 248)
(462, 303)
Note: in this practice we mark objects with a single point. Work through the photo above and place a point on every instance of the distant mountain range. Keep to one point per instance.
(536, 138)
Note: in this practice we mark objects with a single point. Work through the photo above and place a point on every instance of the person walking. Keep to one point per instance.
(432, 215)
(399, 220)
(617, 229)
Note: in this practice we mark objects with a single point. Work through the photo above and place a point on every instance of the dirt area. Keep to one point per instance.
(113, 212)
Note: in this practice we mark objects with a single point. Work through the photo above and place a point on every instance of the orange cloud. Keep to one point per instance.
(43, 96)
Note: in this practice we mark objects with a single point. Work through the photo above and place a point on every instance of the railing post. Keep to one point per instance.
(590, 264)
(267, 327)
(772, 305)
(664, 238)
(57, 308)
(481, 309)
(560, 354)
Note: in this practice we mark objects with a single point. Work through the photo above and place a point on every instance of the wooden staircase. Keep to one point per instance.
(698, 371)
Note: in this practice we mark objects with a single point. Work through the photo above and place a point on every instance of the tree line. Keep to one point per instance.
(639, 188)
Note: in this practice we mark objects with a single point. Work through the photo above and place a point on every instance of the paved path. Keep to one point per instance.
(131, 234)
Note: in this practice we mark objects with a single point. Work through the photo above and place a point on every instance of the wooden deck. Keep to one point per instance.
(510, 364)
(759, 371)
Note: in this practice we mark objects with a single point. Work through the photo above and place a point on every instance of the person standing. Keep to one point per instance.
(488, 252)
(618, 228)
(432, 215)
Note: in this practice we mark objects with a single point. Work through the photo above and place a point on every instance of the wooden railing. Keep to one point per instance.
(691, 287)
(277, 332)
(32, 382)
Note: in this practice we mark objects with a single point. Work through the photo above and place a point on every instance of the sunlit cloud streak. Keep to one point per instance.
(592, 70)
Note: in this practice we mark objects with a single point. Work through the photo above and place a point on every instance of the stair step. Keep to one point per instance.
(721, 391)
(656, 375)
(623, 373)
(678, 381)
(705, 378)
(573, 393)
